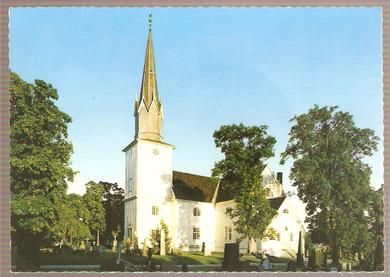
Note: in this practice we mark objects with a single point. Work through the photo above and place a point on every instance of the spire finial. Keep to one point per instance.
(150, 22)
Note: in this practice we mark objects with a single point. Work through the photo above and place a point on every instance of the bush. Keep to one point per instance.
(155, 238)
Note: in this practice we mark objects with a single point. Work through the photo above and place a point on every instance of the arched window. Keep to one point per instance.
(196, 212)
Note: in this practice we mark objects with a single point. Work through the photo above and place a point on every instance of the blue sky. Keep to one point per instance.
(214, 66)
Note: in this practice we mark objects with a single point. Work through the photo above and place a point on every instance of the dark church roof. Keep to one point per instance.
(193, 187)
(276, 202)
(224, 194)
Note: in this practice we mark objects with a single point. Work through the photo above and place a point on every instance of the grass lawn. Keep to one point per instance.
(109, 257)
(107, 260)
(76, 259)
(190, 258)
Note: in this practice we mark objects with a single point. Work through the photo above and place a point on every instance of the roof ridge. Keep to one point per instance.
(193, 174)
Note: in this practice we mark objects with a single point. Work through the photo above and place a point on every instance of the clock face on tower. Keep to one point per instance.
(155, 151)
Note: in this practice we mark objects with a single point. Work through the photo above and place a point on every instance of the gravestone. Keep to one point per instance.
(266, 263)
(114, 245)
(82, 246)
(128, 246)
(231, 257)
(343, 266)
(118, 259)
(145, 249)
(95, 251)
(87, 246)
(162, 243)
(300, 262)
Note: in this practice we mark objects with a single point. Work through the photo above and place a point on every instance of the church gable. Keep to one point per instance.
(193, 187)
(269, 182)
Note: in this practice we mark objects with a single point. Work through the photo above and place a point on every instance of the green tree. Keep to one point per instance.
(93, 199)
(114, 207)
(73, 219)
(245, 149)
(376, 226)
(155, 238)
(39, 161)
(330, 175)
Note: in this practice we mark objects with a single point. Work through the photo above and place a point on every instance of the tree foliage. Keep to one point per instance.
(245, 151)
(73, 219)
(93, 199)
(376, 226)
(39, 160)
(114, 209)
(330, 175)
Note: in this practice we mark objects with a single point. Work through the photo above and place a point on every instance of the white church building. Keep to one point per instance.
(192, 206)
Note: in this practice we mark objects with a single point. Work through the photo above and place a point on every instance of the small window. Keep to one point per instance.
(154, 210)
(228, 233)
(195, 233)
(285, 211)
(196, 212)
(285, 228)
(130, 232)
(291, 237)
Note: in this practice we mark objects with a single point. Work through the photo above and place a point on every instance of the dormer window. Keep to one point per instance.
(196, 212)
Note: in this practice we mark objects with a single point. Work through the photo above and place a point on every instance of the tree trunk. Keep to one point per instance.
(249, 244)
(97, 238)
(335, 253)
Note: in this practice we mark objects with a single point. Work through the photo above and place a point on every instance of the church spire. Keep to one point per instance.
(148, 108)
(149, 83)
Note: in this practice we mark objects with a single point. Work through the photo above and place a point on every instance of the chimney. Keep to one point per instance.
(279, 177)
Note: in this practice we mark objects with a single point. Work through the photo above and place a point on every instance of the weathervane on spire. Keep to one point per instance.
(150, 22)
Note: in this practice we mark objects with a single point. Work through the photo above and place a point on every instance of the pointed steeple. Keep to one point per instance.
(149, 82)
(148, 109)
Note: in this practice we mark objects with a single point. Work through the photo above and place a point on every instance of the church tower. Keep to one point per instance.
(148, 110)
(148, 172)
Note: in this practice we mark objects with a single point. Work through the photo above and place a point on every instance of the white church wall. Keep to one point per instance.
(288, 243)
(288, 223)
(223, 221)
(186, 221)
(154, 171)
(152, 185)
(130, 172)
(130, 216)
